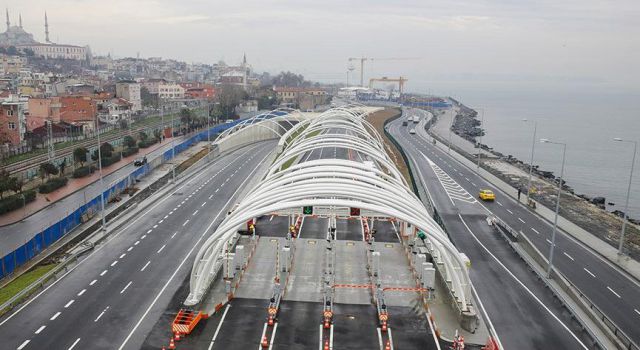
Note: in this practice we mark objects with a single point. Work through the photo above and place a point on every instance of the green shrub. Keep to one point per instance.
(83, 171)
(52, 184)
(146, 143)
(106, 161)
(129, 151)
(15, 201)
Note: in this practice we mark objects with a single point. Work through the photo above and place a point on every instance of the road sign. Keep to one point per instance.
(307, 210)
(354, 212)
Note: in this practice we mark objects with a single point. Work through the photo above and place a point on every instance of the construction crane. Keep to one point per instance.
(363, 59)
(400, 81)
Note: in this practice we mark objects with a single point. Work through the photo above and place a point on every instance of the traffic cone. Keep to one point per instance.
(388, 346)
(177, 336)
(264, 342)
(172, 344)
(326, 345)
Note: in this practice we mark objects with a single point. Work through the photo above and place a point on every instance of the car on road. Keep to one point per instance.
(487, 195)
(140, 161)
(412, 131)
(404, 123)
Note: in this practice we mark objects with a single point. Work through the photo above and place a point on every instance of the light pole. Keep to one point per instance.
(480, 142)
(555, 220)
(208, 127)
(173, 149)
(450, 126)
(104, 224)
(533, 145)
(626, 204)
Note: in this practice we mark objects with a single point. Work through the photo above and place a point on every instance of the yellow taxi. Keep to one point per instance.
(487, 195)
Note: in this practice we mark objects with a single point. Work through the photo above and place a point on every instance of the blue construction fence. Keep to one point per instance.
(58, 230)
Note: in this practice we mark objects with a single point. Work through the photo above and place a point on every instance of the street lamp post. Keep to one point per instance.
(533, 145)
(104, 224)
(450, 126)
(555, 220)
(480, 142)
(173, 149)
(626, 204)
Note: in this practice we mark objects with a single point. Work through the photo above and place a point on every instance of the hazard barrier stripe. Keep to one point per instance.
(352, 286)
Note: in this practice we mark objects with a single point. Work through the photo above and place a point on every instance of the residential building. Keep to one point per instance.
(114, 110)
(80, 110)
(153, 85)
(301, 97)
(12, 120)
(171, 91)
(130, 91)
(12, 64)
(41, 110)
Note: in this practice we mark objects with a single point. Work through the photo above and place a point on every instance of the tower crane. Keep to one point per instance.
(363, 59)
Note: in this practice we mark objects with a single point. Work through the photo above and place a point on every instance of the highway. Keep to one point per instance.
(612, 291)
(113, 297)
(522, 311)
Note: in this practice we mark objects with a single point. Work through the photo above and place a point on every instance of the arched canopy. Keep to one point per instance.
(333, 182)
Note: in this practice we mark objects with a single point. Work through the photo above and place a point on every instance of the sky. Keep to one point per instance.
(483, 43)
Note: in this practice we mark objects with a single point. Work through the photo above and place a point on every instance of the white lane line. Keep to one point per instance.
(510, 212)
(203, 204)
(102, 313)
(74, 344)
(130, 248)
(55, 316)
(23, 344)
(589, 272)
(568, 256)
(522, 221)
(534, 230)
(185, 223)
(217, 189)
(93, 282)
(500, 204)
(165, 217)
(123, 255)
(171, 212)
(159, 250)
(155, 226)
(145, 265)
(548, 241)
(161, 221)
(69, 303)
(271, 218)
(81, 292)
(215, 335)
(614, 292)
(114, 263)
(211, 197)
(466, 178)
(474, 185)
(194, 213)
(125, 287)
(174, 234)
(273, 336)
(137, 242)
(40, 329)
(636, 310)
(103, 272)
(148, 232)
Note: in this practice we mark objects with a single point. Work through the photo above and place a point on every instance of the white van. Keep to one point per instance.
(412, 131)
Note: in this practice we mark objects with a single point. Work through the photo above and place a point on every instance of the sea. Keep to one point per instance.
(586, 118)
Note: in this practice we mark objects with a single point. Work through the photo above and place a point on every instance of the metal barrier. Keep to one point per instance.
(53, 233)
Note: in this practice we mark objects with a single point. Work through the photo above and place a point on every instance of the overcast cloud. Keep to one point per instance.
(586, 42)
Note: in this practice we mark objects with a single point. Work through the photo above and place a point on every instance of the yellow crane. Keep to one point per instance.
(363, 59)
(400, 81)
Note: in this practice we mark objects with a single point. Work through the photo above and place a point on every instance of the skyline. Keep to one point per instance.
(490, 42)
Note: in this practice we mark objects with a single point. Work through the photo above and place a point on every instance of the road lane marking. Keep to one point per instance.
(69, 303)
(148, 232)
(474, 185)
(217, 189)
(273, 335)
(123, 255)
(522, 221)
(130, 248)
(510, 212)
(55, 316)
(102, 313)
(155, 226)
(125, 287)
(534, 230)
(81, 292)
(159, 250)
(203, 204)
(271, 218)
(161, 221)
(114, 263)
(174, 234)
(636, 310)
(165, 217)
(103, 272)
(137, 242)
(145, 265)
(194, 213)
(548, 241)
(185, 223)
(23, 344)
(500, 204)
(93, 282)
(211, 197)
(589, 272)
(143, 237)
(74, 344)
(40, 329)
(614, 292)
(215, 335)
(568, 256)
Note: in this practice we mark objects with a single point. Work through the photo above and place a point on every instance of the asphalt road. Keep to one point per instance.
(112, 298)
(523, 312)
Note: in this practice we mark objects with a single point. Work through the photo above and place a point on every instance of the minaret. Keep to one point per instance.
(20, 20)
(8, 23)
(244, 59)
(46, 27)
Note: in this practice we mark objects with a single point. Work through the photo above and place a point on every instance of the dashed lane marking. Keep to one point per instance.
(185, 223)
(40, 329)
(149, 231)
(522, 221)
(69, 303)
(589, 272)
(161, 248)
(103, 272)
(93, 282)
(203, 204)
(74, 344)
(568, 256)
(114, 263)
(55, 316)
(130, 248)
(137, 242)
(123, 255)
(534, 230)
(24, 343)
(194, 213)
(174, 234)
(145, 266)
(614, 292)
(81, 292)
(125, 287)
(500, 204)
(510, 212)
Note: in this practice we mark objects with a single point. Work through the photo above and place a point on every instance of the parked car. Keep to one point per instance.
(412, 131)
(140, 161)
(487, 195)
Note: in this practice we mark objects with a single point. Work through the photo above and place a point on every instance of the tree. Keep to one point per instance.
(229, 97)
(80, 155)
(289, 79)
(148, 99)
(106, 150)
(12, 51)
(47, 169)
(16, 185)
(186, 117)
(129, 141)
(143, 136)
(29, 52)
(62, 166)
(157, 133)
(5, 182)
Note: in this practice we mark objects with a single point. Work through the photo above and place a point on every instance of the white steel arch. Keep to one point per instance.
(269, 121)
(334, 182)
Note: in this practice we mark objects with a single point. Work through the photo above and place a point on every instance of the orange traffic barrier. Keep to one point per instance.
(186, 320)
